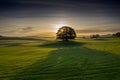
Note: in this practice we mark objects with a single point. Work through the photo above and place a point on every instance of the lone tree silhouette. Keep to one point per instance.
(66, 33)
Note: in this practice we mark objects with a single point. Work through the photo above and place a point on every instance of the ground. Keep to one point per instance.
(48, 59)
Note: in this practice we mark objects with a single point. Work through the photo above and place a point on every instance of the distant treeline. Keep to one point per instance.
(110, 35)
(102, 36)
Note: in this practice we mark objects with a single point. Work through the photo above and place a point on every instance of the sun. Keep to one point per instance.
(57, 26)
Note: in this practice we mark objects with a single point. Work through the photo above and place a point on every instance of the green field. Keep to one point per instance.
(48, 59)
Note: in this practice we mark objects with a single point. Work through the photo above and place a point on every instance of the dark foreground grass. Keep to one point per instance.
(74, 60)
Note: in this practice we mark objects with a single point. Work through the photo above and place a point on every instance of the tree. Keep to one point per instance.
(116, 34)
(95, 36)
(1, 36)
(66, 33)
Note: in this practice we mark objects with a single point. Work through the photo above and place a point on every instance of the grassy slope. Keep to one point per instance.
(84, 59)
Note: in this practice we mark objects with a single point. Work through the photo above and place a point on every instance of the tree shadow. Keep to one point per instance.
(101, 39)
(22, 38)
(78, 63)
(11, 44)
(61, 44)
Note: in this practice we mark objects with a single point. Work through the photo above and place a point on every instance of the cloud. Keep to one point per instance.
(54, 8)
(100, 29)
(16, 31)
(26, 29)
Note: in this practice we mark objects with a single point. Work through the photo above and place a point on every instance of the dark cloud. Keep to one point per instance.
(48, 8)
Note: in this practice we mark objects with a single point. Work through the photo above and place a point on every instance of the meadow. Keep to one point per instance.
(50, 59)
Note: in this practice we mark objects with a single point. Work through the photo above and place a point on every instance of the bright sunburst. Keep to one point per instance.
(57, 26)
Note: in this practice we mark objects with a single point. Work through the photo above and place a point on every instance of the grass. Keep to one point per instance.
(82, 59)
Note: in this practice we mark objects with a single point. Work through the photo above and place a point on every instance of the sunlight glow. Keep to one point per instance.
(57, 26)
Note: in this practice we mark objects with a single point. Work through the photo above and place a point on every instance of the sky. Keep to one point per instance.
(44, 17)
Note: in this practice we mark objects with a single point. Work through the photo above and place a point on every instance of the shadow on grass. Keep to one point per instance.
(61, 44)
(22, 38)
(11, 44)
(101, 39)
(16, 41)
(77, 63)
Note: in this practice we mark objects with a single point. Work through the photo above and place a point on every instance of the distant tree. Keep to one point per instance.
(66, 33)
(83, 37)
(95, 36)
(1, 36)
(116, 34)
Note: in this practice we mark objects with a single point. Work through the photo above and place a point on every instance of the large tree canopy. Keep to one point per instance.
(66, 33)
